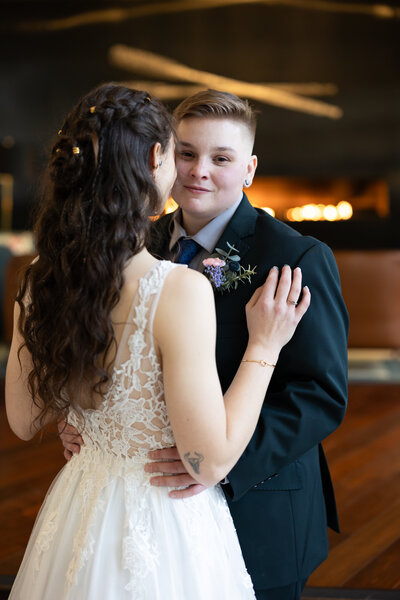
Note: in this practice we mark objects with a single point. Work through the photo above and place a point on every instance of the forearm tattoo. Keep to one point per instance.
(194, 461)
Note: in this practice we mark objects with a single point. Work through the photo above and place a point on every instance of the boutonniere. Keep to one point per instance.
(224, 270)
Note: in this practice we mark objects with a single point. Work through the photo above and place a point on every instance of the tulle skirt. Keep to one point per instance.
(104, 533)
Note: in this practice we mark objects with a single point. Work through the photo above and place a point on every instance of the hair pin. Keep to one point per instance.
(75, 150)
(147, 99)
(92, 109)
(59, 131)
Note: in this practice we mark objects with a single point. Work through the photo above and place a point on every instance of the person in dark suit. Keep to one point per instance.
(280, 492)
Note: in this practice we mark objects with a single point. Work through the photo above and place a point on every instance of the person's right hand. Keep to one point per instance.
(71, 439)
(274, 311)
(171, 471)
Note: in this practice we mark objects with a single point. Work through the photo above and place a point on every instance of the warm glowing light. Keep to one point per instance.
(312, 212)
(330, 213)
(170, 206)
(345, 210)
(320, 212)
(297, 214)
(350, 197)
(268, 210)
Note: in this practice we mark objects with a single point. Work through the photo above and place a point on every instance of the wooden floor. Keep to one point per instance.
(364, 456)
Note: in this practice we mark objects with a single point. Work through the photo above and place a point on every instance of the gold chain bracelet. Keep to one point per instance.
(263, 363)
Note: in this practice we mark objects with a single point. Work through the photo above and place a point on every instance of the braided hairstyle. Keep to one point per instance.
(94, 216)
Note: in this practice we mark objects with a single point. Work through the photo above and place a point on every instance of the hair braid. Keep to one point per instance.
(94, 216)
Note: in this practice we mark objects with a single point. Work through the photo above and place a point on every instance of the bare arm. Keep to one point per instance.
(211, 432)
(22, 412)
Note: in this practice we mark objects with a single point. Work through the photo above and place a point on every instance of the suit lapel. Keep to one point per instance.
(240, 228)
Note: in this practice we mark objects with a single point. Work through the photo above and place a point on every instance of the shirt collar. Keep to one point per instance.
(209, 235)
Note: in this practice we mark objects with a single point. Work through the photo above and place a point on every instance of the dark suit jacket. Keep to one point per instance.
(280, 492)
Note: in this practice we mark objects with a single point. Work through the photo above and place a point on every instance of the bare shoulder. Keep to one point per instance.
(186, 298)
(183, 284)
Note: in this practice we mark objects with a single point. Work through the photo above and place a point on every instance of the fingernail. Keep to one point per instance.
(306, 287)
(297, 269)
(286, 265)
(275, 267)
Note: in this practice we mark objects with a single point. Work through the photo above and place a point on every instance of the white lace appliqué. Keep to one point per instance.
(117, 437)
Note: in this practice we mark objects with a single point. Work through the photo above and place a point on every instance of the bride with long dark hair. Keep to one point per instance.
(122, 346)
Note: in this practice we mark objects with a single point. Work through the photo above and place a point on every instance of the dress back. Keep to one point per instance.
(132, 419)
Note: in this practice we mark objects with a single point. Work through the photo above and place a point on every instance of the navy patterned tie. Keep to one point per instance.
(188, 249)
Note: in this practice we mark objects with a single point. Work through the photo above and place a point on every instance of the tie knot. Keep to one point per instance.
(188, 248)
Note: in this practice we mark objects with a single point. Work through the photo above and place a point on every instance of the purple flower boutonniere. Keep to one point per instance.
(224, 270)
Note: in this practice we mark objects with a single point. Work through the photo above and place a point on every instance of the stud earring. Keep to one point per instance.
(246, 183)
(159, 165)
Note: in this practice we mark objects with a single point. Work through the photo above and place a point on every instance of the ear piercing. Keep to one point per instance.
(247, 183)
(159, 165)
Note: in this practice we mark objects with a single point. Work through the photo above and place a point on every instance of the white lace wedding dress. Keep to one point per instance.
(103, 532)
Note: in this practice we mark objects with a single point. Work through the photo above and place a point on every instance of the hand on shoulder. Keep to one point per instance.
(275, 309)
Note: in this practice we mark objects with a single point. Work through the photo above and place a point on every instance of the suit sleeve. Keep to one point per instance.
(307, 397)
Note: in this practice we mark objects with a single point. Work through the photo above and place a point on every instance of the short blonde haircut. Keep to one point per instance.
(213, 104)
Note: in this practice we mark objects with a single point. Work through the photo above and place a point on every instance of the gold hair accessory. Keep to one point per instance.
(262, 363)
(92, 109)
(75, 150)
(58, 150)
(147, 99)
(59, 131)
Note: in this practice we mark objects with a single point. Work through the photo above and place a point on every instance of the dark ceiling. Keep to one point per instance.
(48, 61)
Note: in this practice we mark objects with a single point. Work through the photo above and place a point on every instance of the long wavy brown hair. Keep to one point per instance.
(94, 215)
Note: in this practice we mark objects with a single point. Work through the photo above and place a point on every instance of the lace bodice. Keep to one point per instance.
(133, 418)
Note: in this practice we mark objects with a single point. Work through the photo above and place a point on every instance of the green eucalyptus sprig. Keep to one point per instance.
(224, 270)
